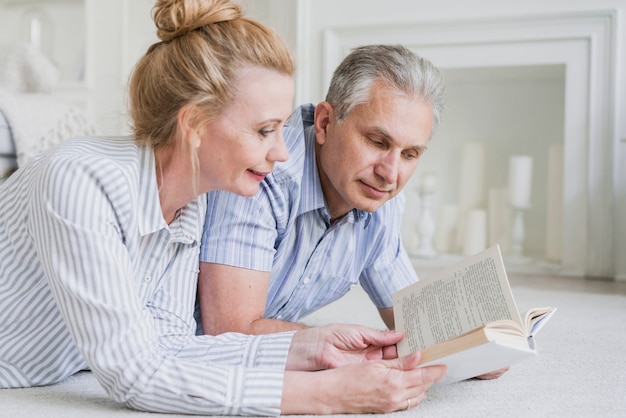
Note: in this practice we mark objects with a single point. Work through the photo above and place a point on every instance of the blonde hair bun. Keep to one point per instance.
(175, 18)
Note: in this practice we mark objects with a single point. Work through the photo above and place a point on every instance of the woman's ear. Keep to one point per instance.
(323, 115)
(188, 117)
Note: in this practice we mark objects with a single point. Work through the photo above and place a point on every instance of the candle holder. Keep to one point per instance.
(37, 30)
(518, 233)
(426, 225)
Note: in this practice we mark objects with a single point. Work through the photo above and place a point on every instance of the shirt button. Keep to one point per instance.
(306, 280)
(147, 278)
(352, 286)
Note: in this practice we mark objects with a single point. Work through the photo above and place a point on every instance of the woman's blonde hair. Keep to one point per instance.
(203, 44)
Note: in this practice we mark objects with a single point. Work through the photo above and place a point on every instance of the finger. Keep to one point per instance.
(412, 402)
(382, 338)
(408, 405)
(408, 362)
(493, 375)
(421, 376)
(431, 374)
(390, 352)
(426, 374)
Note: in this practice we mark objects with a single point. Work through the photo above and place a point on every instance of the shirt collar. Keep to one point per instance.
(150, 220)
(312, 197)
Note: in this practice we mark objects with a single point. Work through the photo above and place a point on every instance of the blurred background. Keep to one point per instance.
(532, 132)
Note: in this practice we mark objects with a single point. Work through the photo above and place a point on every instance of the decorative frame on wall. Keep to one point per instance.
(585, 43)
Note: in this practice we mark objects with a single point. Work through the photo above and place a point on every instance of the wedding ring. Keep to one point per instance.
(408, 403)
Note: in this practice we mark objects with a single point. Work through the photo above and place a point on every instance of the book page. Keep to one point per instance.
(454, 301)
(536, 318)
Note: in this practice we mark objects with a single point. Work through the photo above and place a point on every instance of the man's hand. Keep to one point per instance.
(493, 375)
(337, 345)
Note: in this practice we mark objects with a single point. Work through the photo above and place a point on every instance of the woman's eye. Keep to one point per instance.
(265, 132)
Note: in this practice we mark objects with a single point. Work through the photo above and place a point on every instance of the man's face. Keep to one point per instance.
(369, 158)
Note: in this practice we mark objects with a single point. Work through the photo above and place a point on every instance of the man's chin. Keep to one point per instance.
(371, 206)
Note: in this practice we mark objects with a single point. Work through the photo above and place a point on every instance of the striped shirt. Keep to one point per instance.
(91, 277)
(285, 229)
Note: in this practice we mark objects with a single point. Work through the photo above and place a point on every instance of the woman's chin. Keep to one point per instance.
(248, 191)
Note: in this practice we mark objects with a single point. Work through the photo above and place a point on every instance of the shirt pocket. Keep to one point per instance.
(327, 290)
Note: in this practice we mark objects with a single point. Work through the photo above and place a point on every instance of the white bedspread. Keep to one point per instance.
(580, 370)
(37, 118)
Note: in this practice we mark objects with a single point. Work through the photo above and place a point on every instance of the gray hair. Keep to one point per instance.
(398, 67)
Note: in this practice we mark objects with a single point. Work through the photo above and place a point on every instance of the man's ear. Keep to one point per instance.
(324, 114)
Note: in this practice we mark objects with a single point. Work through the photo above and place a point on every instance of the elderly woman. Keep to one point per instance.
(99, 242)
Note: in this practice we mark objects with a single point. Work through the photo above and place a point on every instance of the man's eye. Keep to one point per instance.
(410, 155)
(265, 132)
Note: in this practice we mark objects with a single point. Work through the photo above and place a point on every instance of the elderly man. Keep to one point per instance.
(329, 217)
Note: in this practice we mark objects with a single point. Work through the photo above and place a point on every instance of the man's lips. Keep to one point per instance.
(375, 191)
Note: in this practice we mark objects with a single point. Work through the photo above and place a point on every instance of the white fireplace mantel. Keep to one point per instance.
(584, 37)
(585, 43)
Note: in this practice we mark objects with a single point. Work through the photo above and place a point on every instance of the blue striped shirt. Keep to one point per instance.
(285, 229)
(91, 276)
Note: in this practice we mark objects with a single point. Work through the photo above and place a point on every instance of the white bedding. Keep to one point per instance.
(7, 147)
(8, 160)
(37, 118)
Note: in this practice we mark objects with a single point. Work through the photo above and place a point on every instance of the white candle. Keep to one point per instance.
(445, 234)
(471, 184)
(499, 219)
(554, 222)
(520, 178)
(429, 182)
(475, 238)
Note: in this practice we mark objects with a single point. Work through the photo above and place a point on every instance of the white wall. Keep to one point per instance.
(314, 17)
(56, 32)
(116, 32)
(511, 115)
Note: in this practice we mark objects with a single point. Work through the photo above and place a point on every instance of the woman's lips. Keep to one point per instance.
(258, 175)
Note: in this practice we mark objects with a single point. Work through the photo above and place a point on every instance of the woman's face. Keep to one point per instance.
(238, 149)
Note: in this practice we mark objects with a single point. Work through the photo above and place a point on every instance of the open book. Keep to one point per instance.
(465, 317)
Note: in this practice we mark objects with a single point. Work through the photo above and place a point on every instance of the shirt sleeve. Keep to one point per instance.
(144, 357)
(390, 268)
(241, 231)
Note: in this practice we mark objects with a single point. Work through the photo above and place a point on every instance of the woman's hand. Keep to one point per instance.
(378, 386)
(333, 346)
